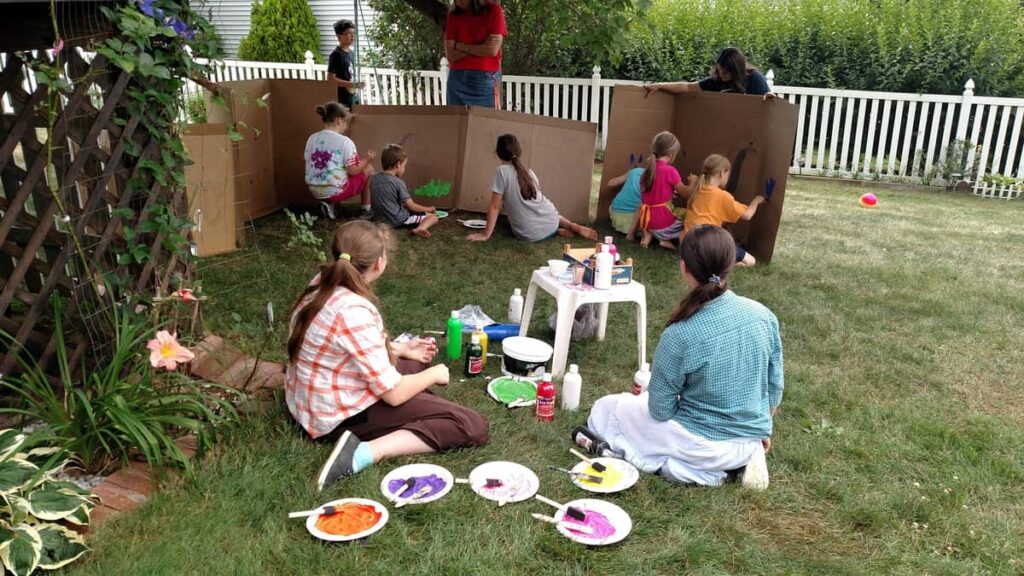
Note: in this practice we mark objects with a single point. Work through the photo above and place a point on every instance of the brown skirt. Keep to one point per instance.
(440, 423)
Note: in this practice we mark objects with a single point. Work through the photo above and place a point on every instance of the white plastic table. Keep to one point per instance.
(569, 298)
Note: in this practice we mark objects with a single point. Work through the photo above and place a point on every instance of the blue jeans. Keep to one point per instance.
(474, 88)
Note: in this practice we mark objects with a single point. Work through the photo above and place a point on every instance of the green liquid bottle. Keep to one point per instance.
(454, 336)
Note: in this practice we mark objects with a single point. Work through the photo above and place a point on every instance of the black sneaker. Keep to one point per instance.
(340, 463)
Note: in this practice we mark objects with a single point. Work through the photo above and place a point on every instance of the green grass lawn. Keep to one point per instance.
(898, 447)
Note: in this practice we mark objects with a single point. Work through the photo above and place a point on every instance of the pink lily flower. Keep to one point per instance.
(165, 352)
(186, 295)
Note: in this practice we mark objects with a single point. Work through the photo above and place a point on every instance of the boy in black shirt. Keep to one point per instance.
(340, 68)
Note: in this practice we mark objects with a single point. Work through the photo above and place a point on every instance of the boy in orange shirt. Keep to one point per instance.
(713, 205)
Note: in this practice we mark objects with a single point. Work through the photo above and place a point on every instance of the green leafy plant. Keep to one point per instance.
(119, 408)
(1000, 180)
(956, 163)
(304, 237)
(281, 31)
(195, 108)
(35, 509)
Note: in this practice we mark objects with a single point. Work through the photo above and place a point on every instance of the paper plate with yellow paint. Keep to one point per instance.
(617, 476)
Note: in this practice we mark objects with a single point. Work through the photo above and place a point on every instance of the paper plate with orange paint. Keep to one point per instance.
(354, 518)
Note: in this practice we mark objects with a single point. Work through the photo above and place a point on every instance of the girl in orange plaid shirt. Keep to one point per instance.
(346, 381)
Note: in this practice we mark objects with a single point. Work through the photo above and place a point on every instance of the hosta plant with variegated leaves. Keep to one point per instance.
(36, 510)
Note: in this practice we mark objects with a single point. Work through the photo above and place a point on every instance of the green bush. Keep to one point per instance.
(195, 107)
(119, 407)
(928, 46)
(281, 31)
(36, 510)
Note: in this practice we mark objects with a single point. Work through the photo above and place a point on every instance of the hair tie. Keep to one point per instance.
(345, 256)
(715, 279)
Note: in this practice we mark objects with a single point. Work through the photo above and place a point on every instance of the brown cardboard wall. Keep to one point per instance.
(560, 152)
(254, 169)
(431, 135)
(210, 184)
(293, 109)
(756, 136)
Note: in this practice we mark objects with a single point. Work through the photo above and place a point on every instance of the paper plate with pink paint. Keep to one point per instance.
(617, 476)
(437, 478)
(504, 482)
(608, 523)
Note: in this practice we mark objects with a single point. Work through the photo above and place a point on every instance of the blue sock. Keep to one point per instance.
(363, 458)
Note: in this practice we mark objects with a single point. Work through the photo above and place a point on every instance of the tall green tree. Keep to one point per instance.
(545, 37)
(281, 31)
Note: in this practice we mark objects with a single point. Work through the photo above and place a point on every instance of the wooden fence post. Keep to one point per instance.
(595, 96)
(770, 78)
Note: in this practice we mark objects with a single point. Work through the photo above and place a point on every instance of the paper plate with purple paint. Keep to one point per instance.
(607, 522)
(504, 482)
(431, 480)
(617, 475)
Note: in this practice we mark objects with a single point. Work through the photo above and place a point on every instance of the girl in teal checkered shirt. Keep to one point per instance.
(716, 381)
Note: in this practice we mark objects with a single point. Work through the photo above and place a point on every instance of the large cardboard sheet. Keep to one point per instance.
(293, 109)
(210, 185)
(560, 152)
(755, 135)
(249, 113)
(430, 135)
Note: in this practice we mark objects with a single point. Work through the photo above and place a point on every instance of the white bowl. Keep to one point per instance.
(558, 267)
(526, 357)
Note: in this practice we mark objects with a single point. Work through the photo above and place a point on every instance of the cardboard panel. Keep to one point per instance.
(755, 135)
(560, 152)
(210, 185)
(293, 111)
(249, 112)
(634, 122)
(431, 135)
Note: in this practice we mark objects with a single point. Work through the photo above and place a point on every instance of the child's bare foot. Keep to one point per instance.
(646, 241)
(421, 232)
(566, 233)
(667, 244)
(588, 233)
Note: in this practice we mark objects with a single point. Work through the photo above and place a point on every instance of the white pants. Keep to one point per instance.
(667, 448)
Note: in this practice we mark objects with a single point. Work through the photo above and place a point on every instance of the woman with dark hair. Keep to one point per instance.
(715, 384)
(473, 36)
(730, 73)
(346, 383)
(532, 216)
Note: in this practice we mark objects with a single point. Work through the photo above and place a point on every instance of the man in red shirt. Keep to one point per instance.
(473, 35)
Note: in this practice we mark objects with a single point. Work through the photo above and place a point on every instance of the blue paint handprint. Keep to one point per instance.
(769, 189)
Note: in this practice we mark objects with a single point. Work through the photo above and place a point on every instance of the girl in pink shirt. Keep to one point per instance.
(658, 184)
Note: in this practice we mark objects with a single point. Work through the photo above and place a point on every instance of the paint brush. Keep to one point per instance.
(579, 475)
(419, 494)
(570, 511)
(593, 463)
(581, 528)
(516, 403)
(396, 496)
(317, 512)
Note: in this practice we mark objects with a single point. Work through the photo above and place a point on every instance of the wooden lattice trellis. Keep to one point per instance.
(97, 149)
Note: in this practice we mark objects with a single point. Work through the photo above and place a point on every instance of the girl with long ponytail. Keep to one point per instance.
(532, 216)
(346, 382)
(716, 381)
(659, 183)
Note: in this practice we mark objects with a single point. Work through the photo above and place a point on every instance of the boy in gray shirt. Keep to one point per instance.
(390, 197)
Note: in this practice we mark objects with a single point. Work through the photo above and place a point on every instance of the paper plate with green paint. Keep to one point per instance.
(506, 389)
(440, 214)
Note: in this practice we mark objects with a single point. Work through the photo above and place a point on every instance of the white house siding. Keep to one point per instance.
(231, 18)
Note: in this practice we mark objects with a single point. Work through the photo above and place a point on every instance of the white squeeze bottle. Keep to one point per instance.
(641, 379)
(572, 383)
(515, 307)
(603, 263)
